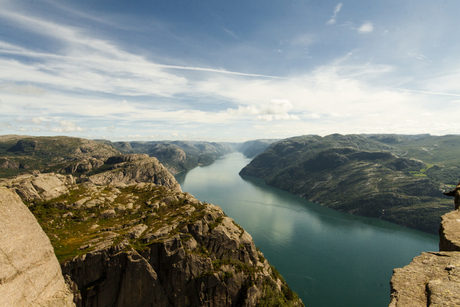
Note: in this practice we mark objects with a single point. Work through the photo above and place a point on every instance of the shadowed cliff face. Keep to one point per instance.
(128, 236)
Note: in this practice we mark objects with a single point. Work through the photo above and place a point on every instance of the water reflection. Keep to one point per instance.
(329, 258)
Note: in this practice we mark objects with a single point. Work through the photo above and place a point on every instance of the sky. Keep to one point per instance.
(232, 71)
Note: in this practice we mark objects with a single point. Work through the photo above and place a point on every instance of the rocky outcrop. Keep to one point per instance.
(39, 187)
(433, 278)
(5, 163)
(30, 274)
(209, 262)
(135, 168)
(83, 165)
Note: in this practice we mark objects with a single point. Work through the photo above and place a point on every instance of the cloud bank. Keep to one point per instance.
(92, 86)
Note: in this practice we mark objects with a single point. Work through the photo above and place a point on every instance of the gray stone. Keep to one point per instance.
(108, 214)
(137, 231)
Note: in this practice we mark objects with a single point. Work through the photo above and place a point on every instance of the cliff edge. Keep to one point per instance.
(128, 236)
(433, 278)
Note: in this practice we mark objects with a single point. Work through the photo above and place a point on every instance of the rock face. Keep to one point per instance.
(433, 278)
(30, 274)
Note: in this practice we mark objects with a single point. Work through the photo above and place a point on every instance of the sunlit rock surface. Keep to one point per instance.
(433, 278)
(30, 274)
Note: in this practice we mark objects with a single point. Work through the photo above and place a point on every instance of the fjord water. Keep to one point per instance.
(329, 258)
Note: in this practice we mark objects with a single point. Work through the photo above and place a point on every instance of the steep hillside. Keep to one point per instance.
(395, 178)
(128, 236)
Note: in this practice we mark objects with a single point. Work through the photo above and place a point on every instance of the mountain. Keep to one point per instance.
(24, 154)
(126, 235)
(178, 156)
(398, 178)
(80, 157)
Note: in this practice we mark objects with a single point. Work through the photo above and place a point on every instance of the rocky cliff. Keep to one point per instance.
(29, 271)
(433, 278)
(128, 236)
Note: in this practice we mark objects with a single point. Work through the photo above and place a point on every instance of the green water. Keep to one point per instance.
(329, 258)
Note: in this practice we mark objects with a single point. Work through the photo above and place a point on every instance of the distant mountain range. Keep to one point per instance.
(21, 154)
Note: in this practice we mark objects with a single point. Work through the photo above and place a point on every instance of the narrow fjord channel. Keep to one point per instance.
(329, 258)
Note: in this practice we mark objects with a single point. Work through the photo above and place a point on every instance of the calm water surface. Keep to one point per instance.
(329, 258)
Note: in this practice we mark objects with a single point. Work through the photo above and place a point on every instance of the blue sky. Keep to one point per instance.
(228, 70)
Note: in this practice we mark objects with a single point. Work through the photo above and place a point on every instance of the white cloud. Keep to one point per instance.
(36, 120)
(311, 115)
(417, 56)
(277, 109)
(278, 106)
(366, 27)
(231, 33)
(96, 76)
(20, 89)
(333, 19)
(67, 126)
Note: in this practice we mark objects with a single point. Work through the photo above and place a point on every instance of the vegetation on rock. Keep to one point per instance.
(126, 234)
